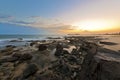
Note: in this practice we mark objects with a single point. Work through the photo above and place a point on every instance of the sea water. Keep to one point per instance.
(112, 38)
(7, 39)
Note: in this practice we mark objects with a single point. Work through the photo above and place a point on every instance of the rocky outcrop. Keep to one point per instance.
(86, 61)
(107, 66)
(16, 57)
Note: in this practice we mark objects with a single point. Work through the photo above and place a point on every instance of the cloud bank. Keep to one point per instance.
(36, 22)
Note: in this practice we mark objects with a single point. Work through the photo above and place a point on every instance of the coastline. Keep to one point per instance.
(58, 57)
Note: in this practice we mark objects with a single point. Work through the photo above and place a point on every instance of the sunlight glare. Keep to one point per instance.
(94, 25)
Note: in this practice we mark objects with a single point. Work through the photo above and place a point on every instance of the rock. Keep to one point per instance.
(108, 43)
(65, 52)
(22, 57)
(42, 47)
(1, 74)
(17, 40)
(25, 57)
(30, 70)
(59, 46)
(18, 72)
(5, 70)
(7, 51)
(87, 63)
(107, 66)
(12, 46)
(17, 55)
(54, 38)
(8, 59)
(33, 43)
(75, 52)
(59, 50)
(108, 70)
(42, 58)
(23, 71)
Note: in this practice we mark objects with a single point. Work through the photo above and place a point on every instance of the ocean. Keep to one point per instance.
(6, 39)
(115, 39)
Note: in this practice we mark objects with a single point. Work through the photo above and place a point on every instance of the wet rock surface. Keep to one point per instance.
(108, 43)
(54, 60)
(42, 47)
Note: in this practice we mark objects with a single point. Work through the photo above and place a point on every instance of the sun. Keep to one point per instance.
(93, 25)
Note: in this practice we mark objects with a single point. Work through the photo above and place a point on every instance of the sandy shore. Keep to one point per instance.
(71, 58)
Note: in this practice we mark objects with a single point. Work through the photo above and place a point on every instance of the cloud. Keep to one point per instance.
(6, 16)
(21, 22)
(53, 25)
(2, 17)
(44, 23)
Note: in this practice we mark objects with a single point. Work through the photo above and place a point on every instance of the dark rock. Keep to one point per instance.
(7, 51)
(33, 43)
(108, 70)
(18, 55)
(65, 52)
(8, 59)
(42, 47)
(12, 46)
(107, 67)
(74, 51)
(54, 38)
(59, 50)
(59, 46)
(22, 57)
(18, 72)
(30, 70)
(87, 65)
(24, 71)
(108, 43)
(25, 57)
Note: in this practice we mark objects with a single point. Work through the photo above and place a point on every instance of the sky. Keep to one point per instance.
(59, 16)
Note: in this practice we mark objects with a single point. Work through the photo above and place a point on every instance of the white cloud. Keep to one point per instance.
(37, 22)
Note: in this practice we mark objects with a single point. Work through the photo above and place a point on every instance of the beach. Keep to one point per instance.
(90, 57)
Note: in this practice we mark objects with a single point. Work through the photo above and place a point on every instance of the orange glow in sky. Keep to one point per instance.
(96, 25)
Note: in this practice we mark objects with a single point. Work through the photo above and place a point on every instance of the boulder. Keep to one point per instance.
(16, 57)
(24, 71)
(7, 51)
(108, 66)
(22, 57)
(33, 43)
(8, 59)
(59, 50)
(108, 70)
(42, 47)
(100, 66)
(25, 57)
(30, 70)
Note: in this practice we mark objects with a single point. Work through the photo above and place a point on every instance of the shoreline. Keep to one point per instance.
(68, 59)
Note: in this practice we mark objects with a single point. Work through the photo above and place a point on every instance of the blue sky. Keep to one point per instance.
(54, 16)
(45, 8)
(12, 11)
